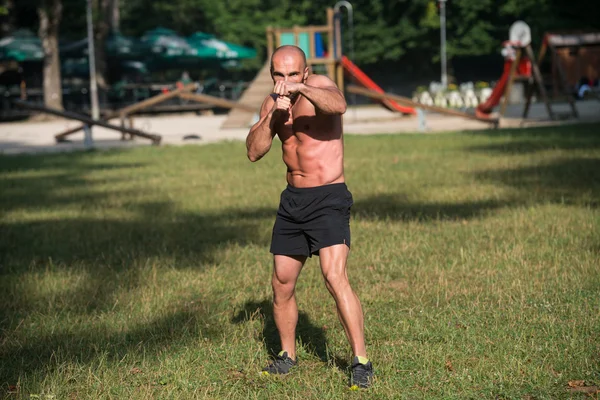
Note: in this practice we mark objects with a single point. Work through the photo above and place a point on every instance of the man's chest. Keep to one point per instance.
(300, 119)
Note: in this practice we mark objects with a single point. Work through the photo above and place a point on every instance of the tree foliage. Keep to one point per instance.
(402, 32)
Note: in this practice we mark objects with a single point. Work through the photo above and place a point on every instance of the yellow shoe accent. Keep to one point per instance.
(362, 360)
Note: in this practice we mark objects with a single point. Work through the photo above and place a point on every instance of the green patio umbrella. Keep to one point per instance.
(165, 48)
(209, 47)
(123, 47)
(79, 67)
(116, 46)
(23, 45)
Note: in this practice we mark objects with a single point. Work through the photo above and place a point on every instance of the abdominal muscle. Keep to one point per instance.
(312, 162)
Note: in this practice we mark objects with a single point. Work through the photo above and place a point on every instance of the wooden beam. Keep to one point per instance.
(122, 112)
(312, 28)
(407, 102)
(156, 99)
(315, 61)
(217, 101)
(88, 121)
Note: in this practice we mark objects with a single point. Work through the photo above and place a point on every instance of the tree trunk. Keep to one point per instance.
(101, 31)
(50, 12)
(114, 16)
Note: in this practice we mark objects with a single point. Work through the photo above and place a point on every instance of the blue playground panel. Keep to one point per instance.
(303, 42)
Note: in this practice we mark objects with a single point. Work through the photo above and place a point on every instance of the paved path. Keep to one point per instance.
(184, 129)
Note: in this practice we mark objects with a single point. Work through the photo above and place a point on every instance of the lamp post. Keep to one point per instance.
(93, 85)
(443, 42)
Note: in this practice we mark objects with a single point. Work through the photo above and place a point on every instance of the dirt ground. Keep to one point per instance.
(187, 129)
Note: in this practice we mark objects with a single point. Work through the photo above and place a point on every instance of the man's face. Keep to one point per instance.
(289, 67)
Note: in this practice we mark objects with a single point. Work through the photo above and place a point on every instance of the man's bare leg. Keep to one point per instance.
(285, 310)
(333, 266)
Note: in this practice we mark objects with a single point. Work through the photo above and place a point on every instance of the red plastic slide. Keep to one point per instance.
(483, 110)
(360, 77)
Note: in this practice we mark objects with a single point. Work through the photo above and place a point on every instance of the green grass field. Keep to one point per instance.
(146, 274)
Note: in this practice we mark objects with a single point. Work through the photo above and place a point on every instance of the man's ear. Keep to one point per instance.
(306, 72)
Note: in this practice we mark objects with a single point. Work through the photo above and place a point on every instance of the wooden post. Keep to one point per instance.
(123, 134)
(538, 77)
(338, 52)
(531, 87)
(338, 36)
(270, 48)
(511, 79)
(330, 48)
(23, 90)
(311, 38)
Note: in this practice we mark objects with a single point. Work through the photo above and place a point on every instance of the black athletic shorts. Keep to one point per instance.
(309, 219)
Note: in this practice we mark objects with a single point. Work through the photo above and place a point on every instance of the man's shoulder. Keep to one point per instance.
(319, 80)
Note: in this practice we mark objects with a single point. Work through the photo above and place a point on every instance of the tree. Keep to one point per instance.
(49, 13)
(400, 35)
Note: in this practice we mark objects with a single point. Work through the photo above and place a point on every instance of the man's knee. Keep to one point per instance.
(336, 280)
(282, 289)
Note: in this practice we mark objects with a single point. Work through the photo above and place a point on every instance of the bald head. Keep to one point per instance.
(290, 51)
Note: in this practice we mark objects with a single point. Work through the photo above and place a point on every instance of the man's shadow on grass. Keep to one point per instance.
(308, 334)
(82, 345)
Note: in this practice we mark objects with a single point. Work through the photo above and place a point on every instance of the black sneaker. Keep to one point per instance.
(362, 374)
(281, 365)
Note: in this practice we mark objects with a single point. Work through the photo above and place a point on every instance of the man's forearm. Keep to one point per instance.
(329, 100)
(260, 138)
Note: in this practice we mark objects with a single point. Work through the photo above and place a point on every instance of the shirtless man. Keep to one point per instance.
(305, 111)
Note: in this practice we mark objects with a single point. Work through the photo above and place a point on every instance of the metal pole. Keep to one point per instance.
(443, 42)
(92, 63)
(349, 10)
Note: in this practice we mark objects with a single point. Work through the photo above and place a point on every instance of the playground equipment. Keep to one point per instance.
(569, 49)
(520, 63)
(517, 65)
(404, 101)
(88, 122)
(126, 113)
(310, 40)
(360, 77)
(323, 48)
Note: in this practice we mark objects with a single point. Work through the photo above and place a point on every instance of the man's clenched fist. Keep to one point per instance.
(282, 104)
(283, 88)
